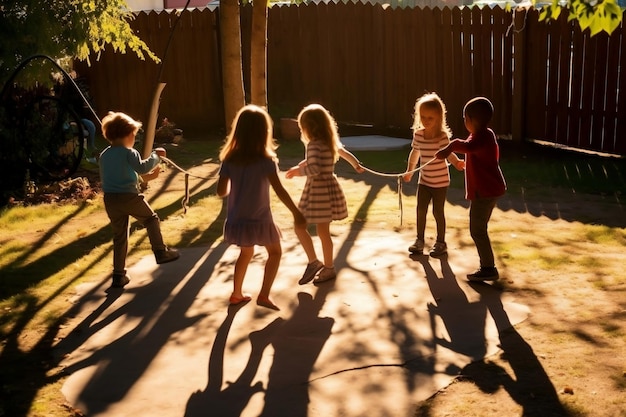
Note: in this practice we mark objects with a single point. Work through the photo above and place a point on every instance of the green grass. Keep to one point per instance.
(538, 168)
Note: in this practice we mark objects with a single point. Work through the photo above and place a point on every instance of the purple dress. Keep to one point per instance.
(249, 219)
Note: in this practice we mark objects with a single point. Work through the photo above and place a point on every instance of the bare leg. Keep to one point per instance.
(307, 243)
(323, 231)
(274, 253)
(241, 266)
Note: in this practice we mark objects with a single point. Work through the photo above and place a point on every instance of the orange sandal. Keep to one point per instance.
(265, 302)
(238, 300)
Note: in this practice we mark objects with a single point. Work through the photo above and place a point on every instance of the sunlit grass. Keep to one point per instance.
(605, 235)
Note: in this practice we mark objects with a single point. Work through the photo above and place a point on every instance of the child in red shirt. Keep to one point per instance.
(484, 182)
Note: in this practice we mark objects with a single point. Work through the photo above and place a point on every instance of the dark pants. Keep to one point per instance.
(425, 195)
(119, 208)
(480, 213)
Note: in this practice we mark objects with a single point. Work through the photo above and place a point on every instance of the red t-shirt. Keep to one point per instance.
(483, 176)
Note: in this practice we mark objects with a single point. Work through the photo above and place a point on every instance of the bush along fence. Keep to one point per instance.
(548, 80)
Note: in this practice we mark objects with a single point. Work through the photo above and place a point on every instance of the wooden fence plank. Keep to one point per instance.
(455, 99)
(599, 91)
(536, 101)
(553, 44)
(575, 88)
(586, 101)
(620, 130)
(610, 110)
(563, 82)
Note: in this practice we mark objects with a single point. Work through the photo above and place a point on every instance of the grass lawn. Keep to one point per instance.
(564, 216)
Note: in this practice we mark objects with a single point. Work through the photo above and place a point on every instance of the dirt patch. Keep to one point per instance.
(83, 185)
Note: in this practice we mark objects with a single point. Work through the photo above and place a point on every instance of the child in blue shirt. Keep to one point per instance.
(121, 169)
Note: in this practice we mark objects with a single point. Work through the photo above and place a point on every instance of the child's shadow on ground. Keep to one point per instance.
(297, 343)
(233, 399)
(463, 321)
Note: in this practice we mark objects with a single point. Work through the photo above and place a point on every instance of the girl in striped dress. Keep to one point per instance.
(431, 133)
(322, 198)
(249, 167)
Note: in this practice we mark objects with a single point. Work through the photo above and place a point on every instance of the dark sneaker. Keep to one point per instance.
(325, 275)
(417, 248)
(310, 271)
(120, 280)
(439, 249)
(484, 274)
(166, 255)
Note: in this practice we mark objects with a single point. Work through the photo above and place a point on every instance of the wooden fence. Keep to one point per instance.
(368, 64)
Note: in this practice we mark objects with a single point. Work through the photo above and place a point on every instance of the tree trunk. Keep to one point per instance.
(232, 72)
(258, 54)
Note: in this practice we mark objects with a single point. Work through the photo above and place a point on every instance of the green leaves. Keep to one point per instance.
(60, 28)
(595, 15)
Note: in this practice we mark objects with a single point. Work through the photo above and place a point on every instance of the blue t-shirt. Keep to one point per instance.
(120, 168)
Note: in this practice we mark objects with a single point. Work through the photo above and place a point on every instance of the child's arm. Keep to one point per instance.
(293, 171)
(414, 156)
(151, 175)
(456, 161)
(351, 159)
(284, 196)
(306, 167)
(223, 186)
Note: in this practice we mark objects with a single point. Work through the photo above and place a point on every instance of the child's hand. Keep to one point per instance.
(151, 175)
(359, 168)
(160, 151)
(292, 172)
(460, 164)
(407, 177)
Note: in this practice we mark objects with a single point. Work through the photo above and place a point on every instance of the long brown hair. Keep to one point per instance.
(250, 137)
(316, 123)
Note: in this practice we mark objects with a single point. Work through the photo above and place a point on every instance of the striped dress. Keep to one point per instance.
(322, 198)
(436, 173)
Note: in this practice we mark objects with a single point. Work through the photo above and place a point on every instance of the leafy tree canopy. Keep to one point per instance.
(62, 28)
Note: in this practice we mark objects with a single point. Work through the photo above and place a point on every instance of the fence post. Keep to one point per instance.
(518, 121)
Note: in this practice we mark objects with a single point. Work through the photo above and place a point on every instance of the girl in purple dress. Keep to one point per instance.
(322, 198)
(249, 166)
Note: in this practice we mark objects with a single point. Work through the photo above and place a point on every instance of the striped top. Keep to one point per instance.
(436, 173)
(322, 198)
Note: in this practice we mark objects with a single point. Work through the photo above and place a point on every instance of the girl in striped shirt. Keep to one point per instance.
(431, 133)
(322, 198)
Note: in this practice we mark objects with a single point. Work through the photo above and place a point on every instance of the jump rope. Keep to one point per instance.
(185, 200)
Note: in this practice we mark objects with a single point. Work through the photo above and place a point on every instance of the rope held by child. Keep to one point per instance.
(399, 177)
(185, 201)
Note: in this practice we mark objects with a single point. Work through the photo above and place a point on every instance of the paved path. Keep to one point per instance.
(389, 332)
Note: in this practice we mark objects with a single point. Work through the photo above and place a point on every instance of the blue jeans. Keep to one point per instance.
(91, 133)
